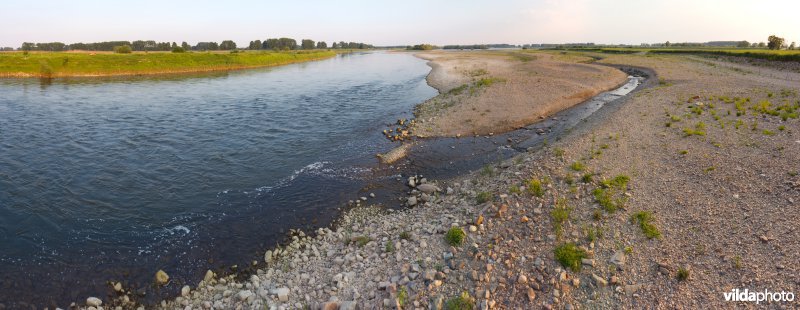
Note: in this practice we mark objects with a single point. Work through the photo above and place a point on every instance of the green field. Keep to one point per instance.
(63, 64)
(779, 55)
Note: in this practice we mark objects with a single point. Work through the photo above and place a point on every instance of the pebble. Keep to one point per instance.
(209, 276)
(412, 201)
(531, 294)
(244, 295)
(93, 302)
(283, 294)
(599, 280)
(161, 277)
(185, 290)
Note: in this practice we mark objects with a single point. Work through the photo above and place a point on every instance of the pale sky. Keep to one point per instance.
(399, 22)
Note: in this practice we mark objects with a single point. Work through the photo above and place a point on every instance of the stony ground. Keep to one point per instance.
(663, 201)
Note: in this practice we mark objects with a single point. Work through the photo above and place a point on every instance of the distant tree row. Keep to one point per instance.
(422, 47)
(284, 44)
(466, 47)
(269, 44)
(105, 46)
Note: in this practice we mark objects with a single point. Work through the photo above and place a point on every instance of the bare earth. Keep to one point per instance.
(494, 92)
(724, 204)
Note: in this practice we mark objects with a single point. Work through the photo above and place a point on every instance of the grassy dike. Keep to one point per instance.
(69, 64)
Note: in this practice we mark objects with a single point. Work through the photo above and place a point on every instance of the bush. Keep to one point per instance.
(455, 236)
(178, 49)
(122, 49)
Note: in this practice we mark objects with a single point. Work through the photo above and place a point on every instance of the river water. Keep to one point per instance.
(115, 178)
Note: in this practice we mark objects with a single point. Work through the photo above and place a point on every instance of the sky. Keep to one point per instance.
(406, 22)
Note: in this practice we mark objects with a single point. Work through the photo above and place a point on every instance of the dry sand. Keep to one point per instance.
(493, 92)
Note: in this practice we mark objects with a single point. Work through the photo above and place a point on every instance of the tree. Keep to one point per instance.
(667, 44)
(287, 44)
(762, 44)
(178, 49)
(322, 45)
(28, 46)
(775, 42)
(227, 45)
(335, 45)
(185, 46)
(743, 44)
(207, 46)
(270, 44)
(255, 45)
(307, 44)
(791, 46)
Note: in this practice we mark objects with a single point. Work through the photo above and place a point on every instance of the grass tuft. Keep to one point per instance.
(645, 219)
(570, 256)
(455, 236)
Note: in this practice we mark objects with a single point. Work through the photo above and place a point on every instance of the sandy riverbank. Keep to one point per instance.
(716, 191)
(494, 92)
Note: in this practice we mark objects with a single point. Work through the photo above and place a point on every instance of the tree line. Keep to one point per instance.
(280, 44)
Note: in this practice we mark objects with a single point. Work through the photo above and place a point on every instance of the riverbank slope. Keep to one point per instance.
(86, 64)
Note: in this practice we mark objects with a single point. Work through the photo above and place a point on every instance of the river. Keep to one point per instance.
(115, 178)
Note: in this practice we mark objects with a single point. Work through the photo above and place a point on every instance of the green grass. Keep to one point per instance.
(361, 241)
(389, 246)
(699, 130)
(514, 189)
(462, 302)
(535, 187)
(560, 215)
(587, 177)
(487, 170)
(486, 82)
(484, 197)
(569, 255)
(455, 236)
(402, 296)
(577, 166)
(645, 220)
(60, 64)
(683, 274)
(619, 182)
(405, 235)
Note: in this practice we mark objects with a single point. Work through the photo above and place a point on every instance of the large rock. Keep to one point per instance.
(618, 259)
(427, 188)
(162, 277)
(412, 201)
(93, 302)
